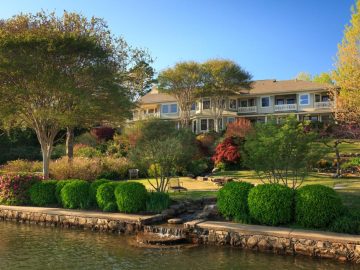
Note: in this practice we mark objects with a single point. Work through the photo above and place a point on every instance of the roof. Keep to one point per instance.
(155, 97)
(260, 87)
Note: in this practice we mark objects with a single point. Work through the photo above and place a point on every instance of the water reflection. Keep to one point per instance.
(33, 247)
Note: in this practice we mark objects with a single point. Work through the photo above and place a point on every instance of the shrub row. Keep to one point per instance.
(128, 197)
(312, 206)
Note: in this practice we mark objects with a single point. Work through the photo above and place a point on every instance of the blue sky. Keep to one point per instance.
(269, 38)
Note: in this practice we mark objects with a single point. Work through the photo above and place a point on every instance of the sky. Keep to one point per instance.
(272, 39)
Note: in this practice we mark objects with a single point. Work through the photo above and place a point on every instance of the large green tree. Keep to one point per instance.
(347, 73)
(56, 72)
(282, 153)
(182, 81)
(221, 79)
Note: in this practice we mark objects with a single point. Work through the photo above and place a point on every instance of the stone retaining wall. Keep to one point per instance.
(56, 217)
(277, 240)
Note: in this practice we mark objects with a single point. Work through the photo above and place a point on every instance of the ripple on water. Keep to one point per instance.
(34, 247)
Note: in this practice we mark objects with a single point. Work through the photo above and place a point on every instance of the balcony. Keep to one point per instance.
(143, 116)
(323, 105)
(251, 109)
(285, 107)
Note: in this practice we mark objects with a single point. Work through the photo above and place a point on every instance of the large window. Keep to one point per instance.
(280, 101)
(232, 104)
(304, 99)
(193, 106)
(203, 124)
(265, 102)
(243, 103)
(169, 108)
(206, 104)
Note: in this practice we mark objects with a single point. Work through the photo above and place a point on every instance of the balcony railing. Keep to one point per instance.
(323, 104)
(285, 107)
(251, 109)
(142, 116)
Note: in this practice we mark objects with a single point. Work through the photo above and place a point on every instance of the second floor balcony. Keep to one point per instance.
(323, 104)
(285, 107)
(251, 109)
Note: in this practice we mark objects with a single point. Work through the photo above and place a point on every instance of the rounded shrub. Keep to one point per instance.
(43, 193)
(232, 200)
(317, 206)
(105, 196)
(131, 197)
(271, 204)
(93, 190)
(59, 186)
(75, 194)
(157, 202)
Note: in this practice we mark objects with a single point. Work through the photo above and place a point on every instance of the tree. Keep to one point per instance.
(221, 79)
(53, 76)
(163, 150)
(282, 153)
(323, 77)
(334, 135)
(303, 76)
(347, 71)
(182, 81)
(238, 129)
(227, 151)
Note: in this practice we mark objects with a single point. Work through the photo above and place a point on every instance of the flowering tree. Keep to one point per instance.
(238, 129)
(227, 151)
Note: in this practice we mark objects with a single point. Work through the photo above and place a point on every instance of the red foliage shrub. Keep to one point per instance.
(14, 189)
(238, 129)
(227, 151)
(102, 133)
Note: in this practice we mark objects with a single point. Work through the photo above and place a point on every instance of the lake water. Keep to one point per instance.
(35, 247)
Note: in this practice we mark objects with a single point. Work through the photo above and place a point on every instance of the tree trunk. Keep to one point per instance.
(46, 149)
(338, 159)
(70, 143)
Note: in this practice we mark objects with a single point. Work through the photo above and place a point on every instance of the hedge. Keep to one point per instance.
(75, 194)
(232, 201)
(131, 197)
(105, 196)
(43, 193)
(271, 204)
(93, 190)
(317, 206)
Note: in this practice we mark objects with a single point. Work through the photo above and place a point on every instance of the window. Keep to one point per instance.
(317, 98)
(265, 102)
(203, 124)
(325, 98)
(232, 104)
(243, 103)
(193, 106)
(280, 101)
(211, 124)
(194, 126)
(231, 119)
(173, 108)
(169, 108)
(290, 101)
(304, 99)
(251, 102)
(150, 111)
(220, 125)
(165, 108)
(206, 104)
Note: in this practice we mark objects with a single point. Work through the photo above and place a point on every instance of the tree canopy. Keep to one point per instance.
(59, 72)
(182, 81)
(347, 71)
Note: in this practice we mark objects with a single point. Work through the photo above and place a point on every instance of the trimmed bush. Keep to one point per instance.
(131, 197)
(157, 202)
(271, 204)
(14, 189)
(232, 201)
(345, 224)
(317, 206)
(105, 196)
(59, 186)
(93, 190)
(43, 193)
(75, 194)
